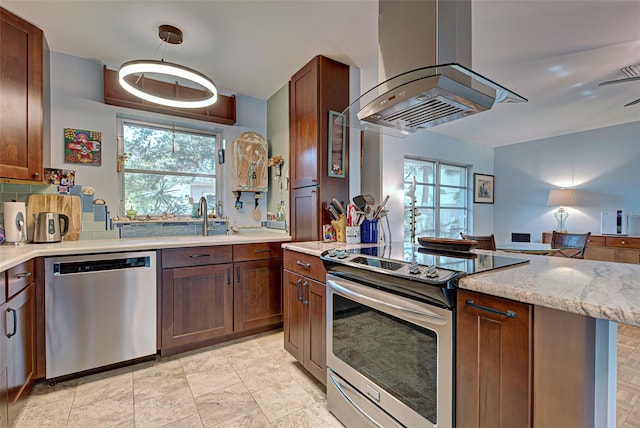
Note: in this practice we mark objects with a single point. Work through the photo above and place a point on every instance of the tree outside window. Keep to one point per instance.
(166, 166)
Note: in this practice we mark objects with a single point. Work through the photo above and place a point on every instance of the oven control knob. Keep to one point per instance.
(332, 252)
(414, 268)
(432, 272)
(341, 254)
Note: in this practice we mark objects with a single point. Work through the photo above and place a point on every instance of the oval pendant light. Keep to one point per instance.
(136, 69)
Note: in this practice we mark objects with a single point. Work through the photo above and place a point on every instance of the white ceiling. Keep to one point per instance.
(552, 52)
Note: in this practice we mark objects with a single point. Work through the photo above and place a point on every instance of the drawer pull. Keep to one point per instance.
(510, 314)
(195, 256)
(266, 250)
(623, 242)
(15, 322)
(298, 282)
(23, 275)
(303, 264)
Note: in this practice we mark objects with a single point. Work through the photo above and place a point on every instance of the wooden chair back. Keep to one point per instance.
(485, 242)
(570, 244)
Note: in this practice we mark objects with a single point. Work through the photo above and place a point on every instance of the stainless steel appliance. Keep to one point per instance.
(48, 227)
(391, 333)
(99, 310)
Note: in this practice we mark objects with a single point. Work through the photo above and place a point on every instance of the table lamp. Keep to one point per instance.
(562, 198)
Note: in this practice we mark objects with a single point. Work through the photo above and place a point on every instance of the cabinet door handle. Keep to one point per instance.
(23, 275)
(195, 256)
(15, 322)
(228, 275)
(265, 250)
(304, 265)
(510, 314)
(305, 288)
(238, 273)
(298, 296)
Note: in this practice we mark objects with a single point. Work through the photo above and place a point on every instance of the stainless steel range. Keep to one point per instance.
(391, 333)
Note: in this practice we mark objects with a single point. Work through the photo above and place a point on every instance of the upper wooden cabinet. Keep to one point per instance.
(21, 98)
(320, 87)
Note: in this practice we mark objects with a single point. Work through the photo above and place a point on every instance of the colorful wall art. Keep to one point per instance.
(83, 147)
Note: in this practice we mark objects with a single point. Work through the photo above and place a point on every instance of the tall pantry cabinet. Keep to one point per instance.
(319, 87)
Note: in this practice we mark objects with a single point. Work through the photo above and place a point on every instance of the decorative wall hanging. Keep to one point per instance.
(483, 188)
(83, 147)
(249, 163)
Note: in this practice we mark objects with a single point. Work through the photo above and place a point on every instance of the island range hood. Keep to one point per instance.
(424, 62)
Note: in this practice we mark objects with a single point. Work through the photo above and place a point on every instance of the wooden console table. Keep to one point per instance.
(608, 248)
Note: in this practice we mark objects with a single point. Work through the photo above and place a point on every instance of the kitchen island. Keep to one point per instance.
(570, 335)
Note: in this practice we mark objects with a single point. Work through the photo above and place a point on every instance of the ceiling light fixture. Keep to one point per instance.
(131, 75)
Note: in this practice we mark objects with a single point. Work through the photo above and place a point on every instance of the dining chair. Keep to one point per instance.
(570, 245)
(485, 242)
(520, 237)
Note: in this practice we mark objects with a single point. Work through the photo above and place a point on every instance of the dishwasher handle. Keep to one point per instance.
(88, 266)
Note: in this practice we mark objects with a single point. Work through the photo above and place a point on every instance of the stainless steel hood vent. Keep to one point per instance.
(413, 34)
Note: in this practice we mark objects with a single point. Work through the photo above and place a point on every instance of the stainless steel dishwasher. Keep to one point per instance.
(99, 310)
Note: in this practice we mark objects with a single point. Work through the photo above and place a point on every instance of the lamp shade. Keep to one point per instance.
(562, 197)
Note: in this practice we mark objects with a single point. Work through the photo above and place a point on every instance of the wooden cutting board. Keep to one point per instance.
(62, 204)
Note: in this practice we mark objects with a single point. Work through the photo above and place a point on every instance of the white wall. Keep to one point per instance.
(603, 165)
(77, 102)
(278, 136)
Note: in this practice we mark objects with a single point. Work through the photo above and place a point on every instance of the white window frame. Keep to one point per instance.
(436, 189)
(218, 176)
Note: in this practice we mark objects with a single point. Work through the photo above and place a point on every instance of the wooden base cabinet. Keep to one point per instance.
(305, 312)
(535, 367)
(4, 380)
(493, 363)
(218, 293)
(197, 304)
(258, 294)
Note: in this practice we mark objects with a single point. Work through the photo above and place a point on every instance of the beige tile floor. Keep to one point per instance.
(252, 382)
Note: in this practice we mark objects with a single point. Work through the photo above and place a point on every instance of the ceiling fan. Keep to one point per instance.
(633, 73)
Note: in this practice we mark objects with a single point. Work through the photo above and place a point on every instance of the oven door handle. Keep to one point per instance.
(392, 304)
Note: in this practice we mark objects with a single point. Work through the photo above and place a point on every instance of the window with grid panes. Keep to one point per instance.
(167, 167)
(441, 198)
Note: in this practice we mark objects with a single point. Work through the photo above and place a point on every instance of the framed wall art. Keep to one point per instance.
(483, 188)
(82, 147)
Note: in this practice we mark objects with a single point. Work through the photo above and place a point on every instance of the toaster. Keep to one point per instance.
(614, 222)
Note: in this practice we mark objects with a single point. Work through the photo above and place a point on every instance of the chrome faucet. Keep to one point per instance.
(202, 210)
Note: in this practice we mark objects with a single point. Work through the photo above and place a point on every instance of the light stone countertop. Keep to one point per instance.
(605, 290)
(11, 255)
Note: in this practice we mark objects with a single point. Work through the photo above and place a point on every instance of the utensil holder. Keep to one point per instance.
(369, 231)
(353, 234)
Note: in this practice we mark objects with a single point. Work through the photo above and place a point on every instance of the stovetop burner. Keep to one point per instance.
(412, 270)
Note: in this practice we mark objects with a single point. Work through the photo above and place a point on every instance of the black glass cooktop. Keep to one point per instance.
(467, 262)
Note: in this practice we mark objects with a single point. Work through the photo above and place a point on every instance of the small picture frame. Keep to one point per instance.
(483, 188)
(336, 151)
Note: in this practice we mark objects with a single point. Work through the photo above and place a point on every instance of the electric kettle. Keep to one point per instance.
(47, 227)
